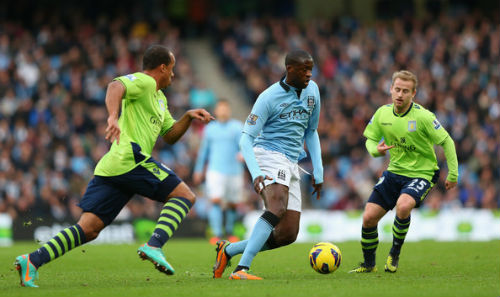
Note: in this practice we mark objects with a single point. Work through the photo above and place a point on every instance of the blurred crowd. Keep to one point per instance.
(455, 57)
(53, 79)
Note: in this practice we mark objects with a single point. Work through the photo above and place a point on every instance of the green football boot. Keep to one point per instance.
(28, 273)
(363, 268)
(156, 256)
(391, 265)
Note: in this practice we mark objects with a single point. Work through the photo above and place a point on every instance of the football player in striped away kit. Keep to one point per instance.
(224, 178)
(128, 168)
(409, 132)
(284, 115)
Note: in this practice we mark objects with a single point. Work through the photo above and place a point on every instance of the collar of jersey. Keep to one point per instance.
(286, 86)
(400, 116)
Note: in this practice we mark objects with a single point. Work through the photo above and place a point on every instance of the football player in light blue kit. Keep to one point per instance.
(224, 177)
(284, 115)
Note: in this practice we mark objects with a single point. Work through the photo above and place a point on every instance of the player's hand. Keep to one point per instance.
(317, 189)
(449, 185)
(197, 178)
(258, 183)
(200, 114)
(383, 148)
(113, 130)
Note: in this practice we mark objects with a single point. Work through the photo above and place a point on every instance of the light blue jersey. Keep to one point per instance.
(281, 118)
(220, 145)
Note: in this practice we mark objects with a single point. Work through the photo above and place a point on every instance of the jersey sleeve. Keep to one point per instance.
(258, 117)
(133, 86)
(168, 121)
(372, 130)
(203, 150)
(314, 119)
(434, 129)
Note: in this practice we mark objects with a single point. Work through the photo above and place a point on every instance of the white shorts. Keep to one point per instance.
(229, 188)
(282, 171)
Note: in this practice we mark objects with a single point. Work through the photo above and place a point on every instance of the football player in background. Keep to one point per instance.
(128, 168)
(409, 132)
(224, 176)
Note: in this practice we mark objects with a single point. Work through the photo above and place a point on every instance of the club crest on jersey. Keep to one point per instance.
(436, 124)
(162, 104)
(252, 119)
(412, 126)
(310, 101)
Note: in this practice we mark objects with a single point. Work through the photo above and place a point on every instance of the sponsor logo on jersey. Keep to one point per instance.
(162, 104)
(284, 105)
(252, 119)
(131, 77)
(386, 124)
(402, 145)
(436, 124)
(295, 114)
(412, 126)
(156, 123)
(281, 174)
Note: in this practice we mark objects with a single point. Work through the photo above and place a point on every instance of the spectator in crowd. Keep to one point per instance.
(54, 70)
(456, 56)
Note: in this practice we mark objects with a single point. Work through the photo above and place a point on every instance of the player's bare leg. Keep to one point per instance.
(276, 200)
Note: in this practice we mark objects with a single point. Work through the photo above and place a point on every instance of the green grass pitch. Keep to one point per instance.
(426, 269)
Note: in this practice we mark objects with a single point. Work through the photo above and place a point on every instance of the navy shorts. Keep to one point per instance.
(390, 186)
(107, 195)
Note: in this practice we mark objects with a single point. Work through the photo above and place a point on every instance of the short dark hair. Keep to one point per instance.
(297, 56)
(156, 55)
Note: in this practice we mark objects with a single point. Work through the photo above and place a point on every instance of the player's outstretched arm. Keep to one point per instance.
(452, 162)
(258, 177)
(180, 127)
(114, 95)
(314, 147)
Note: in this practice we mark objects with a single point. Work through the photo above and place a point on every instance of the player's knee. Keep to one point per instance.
(278, 211)
(277, 207)
(405, 206)
(369, 220)
(190, 196)
(183, 191)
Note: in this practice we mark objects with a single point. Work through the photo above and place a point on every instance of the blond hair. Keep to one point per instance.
(405, 75)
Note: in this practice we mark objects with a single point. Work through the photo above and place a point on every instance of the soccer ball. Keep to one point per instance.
(325, 257)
